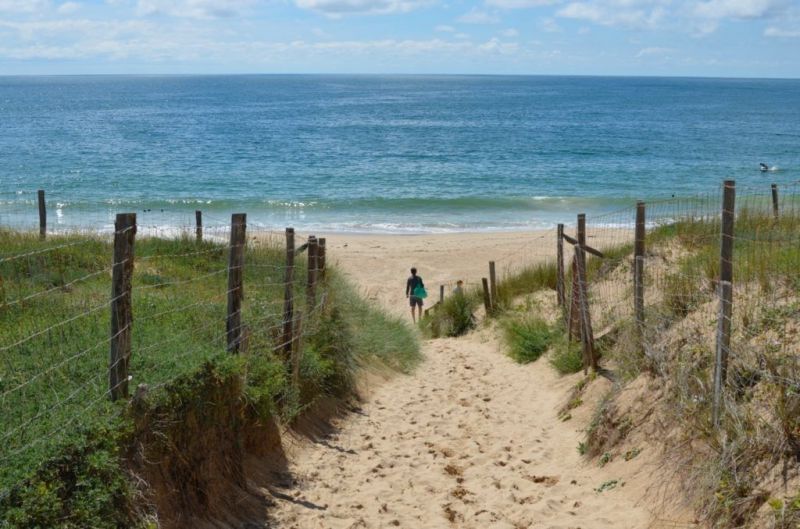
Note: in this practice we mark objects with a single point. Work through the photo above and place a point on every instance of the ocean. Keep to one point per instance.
(394, 154)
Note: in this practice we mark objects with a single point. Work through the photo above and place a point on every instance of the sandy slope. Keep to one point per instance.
(471, 439)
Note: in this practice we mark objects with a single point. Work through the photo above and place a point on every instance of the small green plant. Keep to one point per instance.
(606, 458)
(582, 448)
(608, 485)
(454, 317)
(566, 357)
(527, 338)
(632, 453)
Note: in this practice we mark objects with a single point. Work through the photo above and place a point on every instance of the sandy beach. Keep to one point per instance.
(470, 439)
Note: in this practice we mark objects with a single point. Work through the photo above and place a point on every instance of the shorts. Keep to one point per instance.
(415, 301)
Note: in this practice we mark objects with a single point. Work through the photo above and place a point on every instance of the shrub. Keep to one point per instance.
(454, 317)
(527, 338)
(566, 357)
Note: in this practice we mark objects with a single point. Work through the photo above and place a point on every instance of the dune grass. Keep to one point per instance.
(54, 341)
(527, 337)
(454, 317)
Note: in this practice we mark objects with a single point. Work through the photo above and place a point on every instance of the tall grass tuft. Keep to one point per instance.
(454, 317)
(527, 338)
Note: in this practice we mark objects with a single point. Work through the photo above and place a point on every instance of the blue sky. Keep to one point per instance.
(726, 38)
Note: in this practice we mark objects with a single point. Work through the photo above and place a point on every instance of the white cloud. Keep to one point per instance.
(183, 47)
(476, 16)
(67, 8)
(717, 9)
(549, 25)
(202, 9)
(443, 28)
(654, 51)
(23, 6)
(630, 13)
(510, 33)
(338, 8)
(519, 4)
(783, 33)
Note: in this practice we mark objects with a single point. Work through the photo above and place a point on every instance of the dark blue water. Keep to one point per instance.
(389, 153)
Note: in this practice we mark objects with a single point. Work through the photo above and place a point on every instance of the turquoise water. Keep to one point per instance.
(383, 153)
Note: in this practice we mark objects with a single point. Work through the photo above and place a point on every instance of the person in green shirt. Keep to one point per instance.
(412, 284)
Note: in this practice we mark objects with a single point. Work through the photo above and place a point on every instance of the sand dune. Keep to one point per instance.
(470, 440)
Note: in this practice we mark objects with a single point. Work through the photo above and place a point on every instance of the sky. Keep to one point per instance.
(713, 38)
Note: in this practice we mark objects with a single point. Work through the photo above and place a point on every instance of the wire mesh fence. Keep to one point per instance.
(58, 332)
(718, 299)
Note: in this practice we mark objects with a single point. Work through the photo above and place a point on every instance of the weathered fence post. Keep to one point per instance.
(235, 280)
(493, 284)
(638, 267)
(121, 309)
(560, 266)
(288, 294)
(311, 286)
(42, 215)
(198, 221)
(775, 211)
(296, 352)
(573, 317)
(487, 298)
(587, 335)
(441, 293)
(725, 297)
(321, 250)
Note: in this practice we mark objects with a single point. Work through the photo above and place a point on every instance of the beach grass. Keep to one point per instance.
(55, 333)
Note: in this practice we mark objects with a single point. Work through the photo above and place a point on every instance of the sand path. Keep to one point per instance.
(470, 440)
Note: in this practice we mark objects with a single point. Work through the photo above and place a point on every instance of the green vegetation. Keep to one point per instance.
(64, 444)
(536, 277)
(454, 317)
(566, 357)
(527, 338)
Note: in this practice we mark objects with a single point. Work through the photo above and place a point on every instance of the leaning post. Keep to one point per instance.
(235, 281)
(725, 290)
(121, 305)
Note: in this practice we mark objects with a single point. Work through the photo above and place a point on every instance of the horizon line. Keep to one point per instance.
(397, 74)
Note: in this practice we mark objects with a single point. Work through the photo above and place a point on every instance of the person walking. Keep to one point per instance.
(415, 292)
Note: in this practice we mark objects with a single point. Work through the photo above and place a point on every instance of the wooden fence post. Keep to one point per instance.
(121, 306)
(725, 298)
(288, 295)
(321, 250)
(487, 299)
(235, 280)
(587, 335)
(493, 284)
(560, 266)
(573, 317)
(296, 351)
(311, 285)
(638, 267)
(42, 215)
(775, 211)
(198, 230)
(441, 293)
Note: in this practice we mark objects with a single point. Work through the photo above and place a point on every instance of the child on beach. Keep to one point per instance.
(459, 288)
(414, 282)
